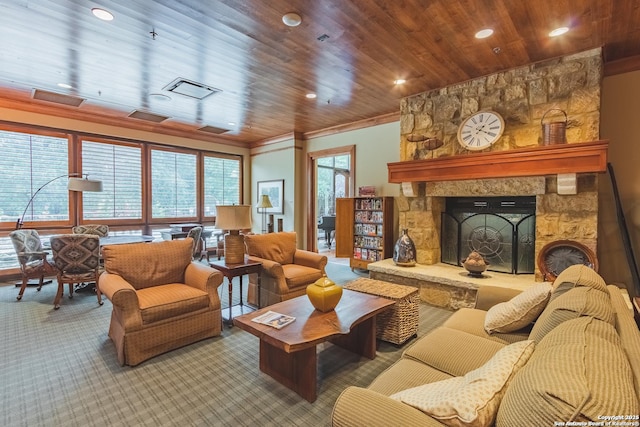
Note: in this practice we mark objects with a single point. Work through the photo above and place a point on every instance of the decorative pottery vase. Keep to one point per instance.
(324, 294)
(475, 264)
(404, 251)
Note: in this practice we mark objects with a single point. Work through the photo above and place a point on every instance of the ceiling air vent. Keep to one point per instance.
(150, 117)
(191, 89)
(213, 129)
(58, 98)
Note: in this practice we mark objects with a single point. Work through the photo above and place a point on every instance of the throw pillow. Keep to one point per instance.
(471, 400)
(519, 311)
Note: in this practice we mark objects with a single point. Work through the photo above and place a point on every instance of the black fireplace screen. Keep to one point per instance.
(501, 229)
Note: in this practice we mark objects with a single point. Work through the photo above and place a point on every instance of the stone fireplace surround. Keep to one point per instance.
(558, 217)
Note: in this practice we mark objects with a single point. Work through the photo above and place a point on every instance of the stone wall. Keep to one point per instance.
(521, 96)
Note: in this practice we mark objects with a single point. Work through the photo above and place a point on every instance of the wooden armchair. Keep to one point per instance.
(32, 258)
(286, 270)
(161, 299)
(77, 259)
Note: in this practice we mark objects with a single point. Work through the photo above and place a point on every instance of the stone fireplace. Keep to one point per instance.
(517, 165)
(557, 217)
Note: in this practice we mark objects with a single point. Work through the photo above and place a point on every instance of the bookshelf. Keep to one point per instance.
(364, 229)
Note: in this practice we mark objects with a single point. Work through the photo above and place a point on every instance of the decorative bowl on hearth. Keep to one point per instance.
(475, 264)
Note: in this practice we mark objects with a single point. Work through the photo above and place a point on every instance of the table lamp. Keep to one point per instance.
(264, 204)
(233, 218)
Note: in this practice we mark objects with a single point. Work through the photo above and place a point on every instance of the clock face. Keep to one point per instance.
(480, 130)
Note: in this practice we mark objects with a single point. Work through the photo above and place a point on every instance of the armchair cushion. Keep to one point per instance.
(164, 262)
(277, 247)
(299, 275)
(170, 300)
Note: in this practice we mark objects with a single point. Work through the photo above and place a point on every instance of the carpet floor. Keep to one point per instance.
(59, 368)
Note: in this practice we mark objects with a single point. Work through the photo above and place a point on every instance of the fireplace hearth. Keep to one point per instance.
(501, 229)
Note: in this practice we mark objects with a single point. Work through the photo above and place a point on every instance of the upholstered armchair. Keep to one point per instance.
(161, 299)
(76, 258)
(286, 270)
(32, 258)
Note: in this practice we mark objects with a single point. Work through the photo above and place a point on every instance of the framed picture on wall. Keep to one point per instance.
(275, 191)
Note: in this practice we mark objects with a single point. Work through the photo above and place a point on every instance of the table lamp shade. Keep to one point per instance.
(264, 202)
(233, 218)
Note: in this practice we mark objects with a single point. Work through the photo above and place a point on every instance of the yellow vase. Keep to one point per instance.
(324, 294)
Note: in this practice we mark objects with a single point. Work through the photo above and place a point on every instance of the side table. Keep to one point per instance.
(400, 323)
(237, 270)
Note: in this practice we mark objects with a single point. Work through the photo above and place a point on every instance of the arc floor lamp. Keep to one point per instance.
(77, 182)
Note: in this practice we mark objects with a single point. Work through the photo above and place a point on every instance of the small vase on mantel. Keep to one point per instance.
(404, 251)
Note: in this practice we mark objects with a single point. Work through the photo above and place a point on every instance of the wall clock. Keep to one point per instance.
(480, 130)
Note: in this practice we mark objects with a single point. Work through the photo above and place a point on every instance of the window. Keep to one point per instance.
(173, 184)
(29, 162)
(221, 183)
(119, 167)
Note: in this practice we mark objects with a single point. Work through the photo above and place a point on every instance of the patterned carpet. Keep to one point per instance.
(60, 368)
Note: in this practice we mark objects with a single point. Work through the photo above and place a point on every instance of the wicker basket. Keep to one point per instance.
(399, 323)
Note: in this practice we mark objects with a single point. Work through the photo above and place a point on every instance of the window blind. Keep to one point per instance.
(119, 167)
(30, 161)
(173, 184)
(221, 183)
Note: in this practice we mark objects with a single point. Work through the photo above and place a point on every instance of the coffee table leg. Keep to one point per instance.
(296, 370)
(361, 340)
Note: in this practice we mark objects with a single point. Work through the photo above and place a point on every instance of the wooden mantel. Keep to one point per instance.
(581, 157)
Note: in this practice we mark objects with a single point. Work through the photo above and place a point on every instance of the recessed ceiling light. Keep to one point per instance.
(483, 34)
(65, 85)
(399, 81)
(231, 123)
(103, 14)
(291, 19)
(311, 95)
(559, 31)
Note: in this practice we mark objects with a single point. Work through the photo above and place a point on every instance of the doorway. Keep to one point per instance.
(331, 176)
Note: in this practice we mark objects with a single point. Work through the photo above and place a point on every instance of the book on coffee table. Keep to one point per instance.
(274, 319)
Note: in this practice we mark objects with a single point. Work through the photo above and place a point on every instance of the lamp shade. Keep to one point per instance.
(234, 217)
(264, 202)
(84, 184)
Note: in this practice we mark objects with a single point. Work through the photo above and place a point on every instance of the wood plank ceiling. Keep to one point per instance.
(347, 52)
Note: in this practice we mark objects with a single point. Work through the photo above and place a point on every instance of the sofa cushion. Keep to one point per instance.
(578, 372)
(471, 400)
(171, 300)
(406, 373)
(447, 350)
(471, 320)
(278, 247)
(149, 264)
(298, 275)
(519, 311)
(580, 275)
(576, 302)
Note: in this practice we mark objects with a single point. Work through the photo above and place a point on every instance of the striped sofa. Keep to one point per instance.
(585, 363)
(161, 299)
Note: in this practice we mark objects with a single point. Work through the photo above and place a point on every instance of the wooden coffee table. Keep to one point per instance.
(289, 354)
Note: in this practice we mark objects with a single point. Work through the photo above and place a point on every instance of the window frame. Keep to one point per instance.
(143, 166)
